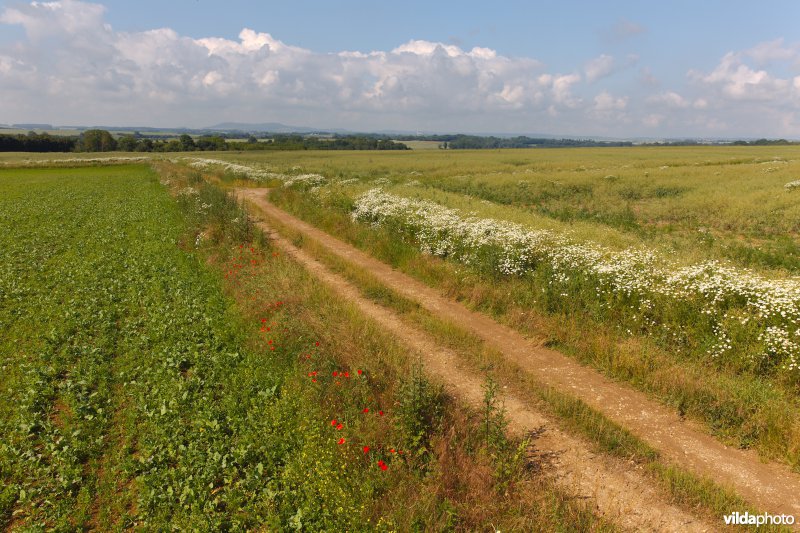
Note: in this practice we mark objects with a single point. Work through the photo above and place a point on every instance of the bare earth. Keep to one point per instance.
(620, 492)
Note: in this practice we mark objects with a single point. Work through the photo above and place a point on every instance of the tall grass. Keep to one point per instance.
(742, 407)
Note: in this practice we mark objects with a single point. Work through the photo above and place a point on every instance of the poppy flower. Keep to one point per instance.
(382, 465)
(340, 427)
(366, 410)
(316, 343)
(380, 413)
(313, 380)
(347, 374)
(360, 371)
(334, 422)
(366, 449)
(341, 441)
(335, 373)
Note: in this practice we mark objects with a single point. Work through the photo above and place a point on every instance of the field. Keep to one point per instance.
(671, 268)
(165, 367)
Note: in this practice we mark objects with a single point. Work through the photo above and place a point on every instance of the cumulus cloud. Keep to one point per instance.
(734, 79)
(606, 102)
(776, 50)
(669, 99)
(72, 67)
(599, 67)
(72, 60)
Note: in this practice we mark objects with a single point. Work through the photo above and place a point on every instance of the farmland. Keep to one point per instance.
(671, 268)
(164, 366)
(167, 365)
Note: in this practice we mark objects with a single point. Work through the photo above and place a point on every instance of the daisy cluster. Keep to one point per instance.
(792, 185)
(257, 174)
(638, 274)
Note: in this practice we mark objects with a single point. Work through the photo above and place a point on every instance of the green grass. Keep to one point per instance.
(156, 380)
(742, 407)
(697, 494)
(658, 196)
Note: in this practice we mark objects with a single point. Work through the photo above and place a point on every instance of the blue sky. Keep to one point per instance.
(656, 69)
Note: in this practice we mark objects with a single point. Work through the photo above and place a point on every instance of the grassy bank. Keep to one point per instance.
(165, 367)
(742, 405)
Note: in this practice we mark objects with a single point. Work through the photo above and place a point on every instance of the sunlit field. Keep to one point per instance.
(672, 268)
(163, 366)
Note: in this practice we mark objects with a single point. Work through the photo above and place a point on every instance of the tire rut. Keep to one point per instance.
(770, 486)
(616, 489)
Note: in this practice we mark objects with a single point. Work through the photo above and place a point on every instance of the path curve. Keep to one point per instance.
(771, 487)
(619, 493)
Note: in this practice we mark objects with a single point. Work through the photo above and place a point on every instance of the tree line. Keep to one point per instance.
(96, 140)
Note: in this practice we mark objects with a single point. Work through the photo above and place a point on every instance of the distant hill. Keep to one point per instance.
(271, 127)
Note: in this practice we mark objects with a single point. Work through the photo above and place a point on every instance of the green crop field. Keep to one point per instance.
(163, 368)
(672, 268)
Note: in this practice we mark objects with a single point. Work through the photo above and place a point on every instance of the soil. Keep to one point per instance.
(617, 490)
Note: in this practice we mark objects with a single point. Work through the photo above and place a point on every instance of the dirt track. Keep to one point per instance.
(770, 487)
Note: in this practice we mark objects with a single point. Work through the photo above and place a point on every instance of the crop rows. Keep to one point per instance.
(128, 396)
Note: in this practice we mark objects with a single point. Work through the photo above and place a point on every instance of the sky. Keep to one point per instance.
(719, 69)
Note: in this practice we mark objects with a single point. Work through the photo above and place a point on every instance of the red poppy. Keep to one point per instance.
(382, 465)
(380, 413)
(347, 374)
(333, 422)
(313, 380)
(341, 441)
(360, 371)
(366, 410)
(335, 373)
(340, 427)
(316, 343)
(391, 450)
(366, 449)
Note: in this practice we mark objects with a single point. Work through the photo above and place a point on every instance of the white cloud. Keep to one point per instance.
(72, 67)
(606, 102)
(767, 52)
(669, 99)
(736, 80)
(599, 67)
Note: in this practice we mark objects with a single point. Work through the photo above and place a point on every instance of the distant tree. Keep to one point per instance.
(128, 143)
(252, 139)
(173, 145)
(97, 141)
(211, 142)
(187, 143)
(145, 145)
